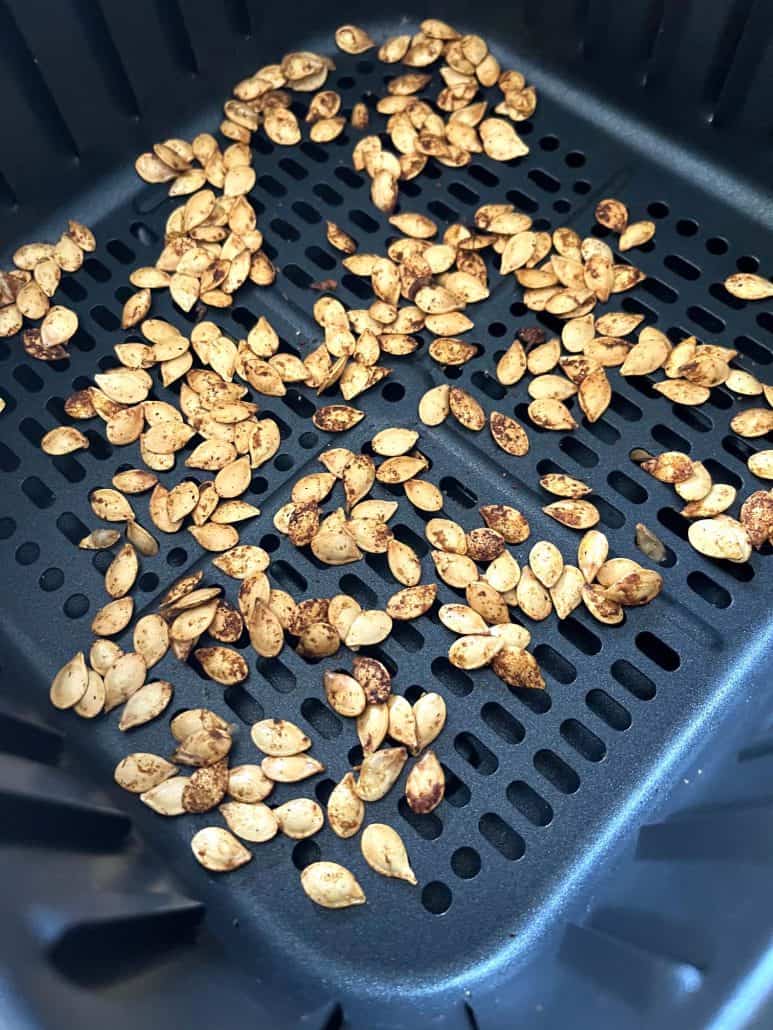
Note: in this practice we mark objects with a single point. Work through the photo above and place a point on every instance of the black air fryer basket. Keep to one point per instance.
(603, 855)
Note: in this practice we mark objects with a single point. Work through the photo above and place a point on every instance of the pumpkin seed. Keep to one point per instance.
(113, 617)
(753, 422)
(546, 562)
(600, 606)
(411, 602)
(473, 652)
(222, 664)
(331, 885)
(71, 683)
(720, 539)
(299, 818)
(425, 785)
(146, 704)
(141, 771)
(255, 823)
(434, 405)
(576, 514)
(518, 668)
(345, 809)
(747, 286)
(249, 784)
(756, 517)
(193, 719)
(379, 772)
(457, 570)
(507, 521)
(761, 464)
(166, 797)
(279, 737)
(369, 627)
(203, 747)
(218, 850)
(291, 768)
(384, 851)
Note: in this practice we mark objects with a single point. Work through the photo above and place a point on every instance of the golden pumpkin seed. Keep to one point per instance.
(299, 818)
(166, 797)
(720, 539)
(218, 850)
(255, 823)
(602, 608)
(249, 784)
(384, 851)
(576, 514)
(141, 771)
(379, 772)
(203, 747)
(345, 809)
(146, 704)
(292, 768)
(331, 885)
(70, 683)
(113, 617)
(425, 785)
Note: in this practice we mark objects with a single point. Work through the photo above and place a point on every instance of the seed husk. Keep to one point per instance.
(194, 719)
(602, 608)
(717, 500)
(682, 391)
(457, 570)
(425, 785)
(248, 783)
(747, 286)
(70, 683)
(612, 214)
(344, 694)
(372, 726)
(122, 572)
(103, 654)
(222, 664)
(761, 464)
(473, 652)
(518, 668)
(635, 588)
(166, 797)
(576, 514)
(111, 506)
(650, 544)
(379, 772)
(64, 440)
(331, 885)
(756, 516)
(292, 768)
(720, 539)
(384, 851)
(550, 413)
(411, 602)
(124, 678)
(299, 818)
(753, 422)
(546, 562)
(697, 485)
(336, 418)
(373, 677)
(218, 850)
(255, 822)
(532, 596)
(434, 405)
(446, 535)
(508, 434)
(462, 619)
(669, 467)
(466, 409)
(141, 771)
(566, 592)
(345, 809)
(369, 627)
(113, 617)
(592, 552)
(424, 495)
(203, 747)
(146, 704)
(507, 521)
(279, 737)
(429, 713)
(561, 485)
(393, 442)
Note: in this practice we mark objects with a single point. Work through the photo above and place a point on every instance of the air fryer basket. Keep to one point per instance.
(601, 856)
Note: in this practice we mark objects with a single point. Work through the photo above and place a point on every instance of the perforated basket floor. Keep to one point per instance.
(541, 788)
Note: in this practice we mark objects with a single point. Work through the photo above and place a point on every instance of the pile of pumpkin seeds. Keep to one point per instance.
(712, 531)
(27, 290)
(212, 247)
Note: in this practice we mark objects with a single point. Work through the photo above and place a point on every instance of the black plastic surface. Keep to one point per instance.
(539, 903)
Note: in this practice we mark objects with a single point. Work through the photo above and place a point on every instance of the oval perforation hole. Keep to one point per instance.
(560, 668)
(463, 496)
(488, 385)
(693, 418)
(658, 651)
(475, 753)
(436, 897)
(624, 408)
(278, 675)
(627, 487)
(583, 741)
(505, 725)
(583, 638)
(37, 491)
(633, 680)
(722, 474)
(672, 441)
(602, 430)
(579, 452)
(305, 852)
(288, 577)
(529, 803)
(502, 837)
(457, 792)
(427, 826)
(556, 771)
(324, 721)
(243, 704)
(708, 589)
(407, 636)
(465, 862)
(9, 460)
(607, 709)
(361, 592)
